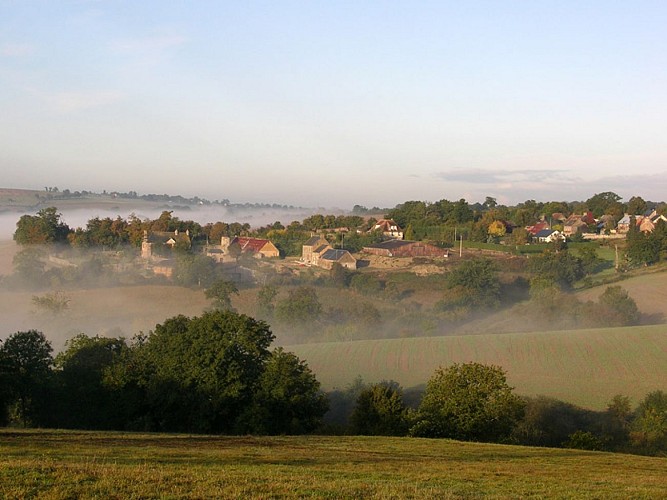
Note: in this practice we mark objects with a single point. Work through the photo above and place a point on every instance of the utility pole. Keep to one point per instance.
(461, 247)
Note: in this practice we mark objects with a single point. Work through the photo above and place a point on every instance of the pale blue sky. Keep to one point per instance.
(335, 103)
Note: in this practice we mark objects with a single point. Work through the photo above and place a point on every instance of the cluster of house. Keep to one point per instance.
(317, 251)
(646, 222)
(542, 232)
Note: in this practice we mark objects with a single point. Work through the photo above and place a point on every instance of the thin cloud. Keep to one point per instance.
(67, 102)
(506, 177)
(148, 44)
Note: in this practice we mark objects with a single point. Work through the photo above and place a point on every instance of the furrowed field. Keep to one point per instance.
(57, 464)
(584, 367)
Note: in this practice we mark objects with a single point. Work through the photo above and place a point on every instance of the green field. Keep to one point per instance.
(584, 367)
(59, 465)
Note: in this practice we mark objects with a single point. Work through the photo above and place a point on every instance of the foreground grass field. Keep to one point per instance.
(56, 464)
(584, 367)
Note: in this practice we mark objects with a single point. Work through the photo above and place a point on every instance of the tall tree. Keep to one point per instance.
(288, 399)
(27, 363)
(221, 292)
(468, 401)
(380, 411)
(88, 401)
(45, 227)
(199, 374)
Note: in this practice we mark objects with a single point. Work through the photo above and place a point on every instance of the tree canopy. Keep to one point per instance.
(468, 401)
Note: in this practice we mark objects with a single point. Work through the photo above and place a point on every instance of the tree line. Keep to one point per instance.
(214, 373)
(217, 374)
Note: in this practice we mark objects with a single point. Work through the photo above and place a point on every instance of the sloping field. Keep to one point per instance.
(648, 290)
(584, 367)
(56, 464)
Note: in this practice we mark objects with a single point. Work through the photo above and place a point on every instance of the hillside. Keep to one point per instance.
(57, 464)
(584, 367)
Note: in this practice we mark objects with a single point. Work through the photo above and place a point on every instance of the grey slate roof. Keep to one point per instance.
(334, 254)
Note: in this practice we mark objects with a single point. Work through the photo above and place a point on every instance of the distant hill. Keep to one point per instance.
(584, 367)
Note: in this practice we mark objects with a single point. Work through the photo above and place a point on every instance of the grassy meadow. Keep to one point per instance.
(59, 465)
(584, 367)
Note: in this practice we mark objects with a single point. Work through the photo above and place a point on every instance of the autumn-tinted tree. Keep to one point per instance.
(468, 401)
(45, 227)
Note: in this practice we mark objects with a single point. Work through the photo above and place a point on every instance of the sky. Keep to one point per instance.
(336, 103)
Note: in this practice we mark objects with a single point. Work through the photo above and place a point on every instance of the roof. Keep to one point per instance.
(313, 240)
(165, 236)
(544, 233)
(250, 244)
(391, 244)
(335, 254)
(320, 248)
(387, 225)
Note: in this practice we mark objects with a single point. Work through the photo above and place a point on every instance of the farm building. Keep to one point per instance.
(337, 256)
(317, 252)
(402, 248)
(259, 248)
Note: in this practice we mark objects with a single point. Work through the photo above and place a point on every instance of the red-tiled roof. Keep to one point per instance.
(253, 245)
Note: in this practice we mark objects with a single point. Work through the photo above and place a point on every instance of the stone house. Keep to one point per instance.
(389, 229)
(313, 248)
(168, 238)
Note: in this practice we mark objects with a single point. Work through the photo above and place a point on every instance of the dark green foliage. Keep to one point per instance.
(561, 267)
(605, 203)
(643, 248)
(478, 283)
(287, 400)
(380, 411)
(88, 401)
(220, 292)
(201, 372)
(300, 307)
(590, 262)
(584, 440)
(366, 283)
(468, 401)
(215, 374)
(649, 428)
(26, 370)
(617, 308)
(550, 422)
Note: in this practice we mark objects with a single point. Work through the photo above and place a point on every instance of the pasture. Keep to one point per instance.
(59, 464)
(584, 367)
